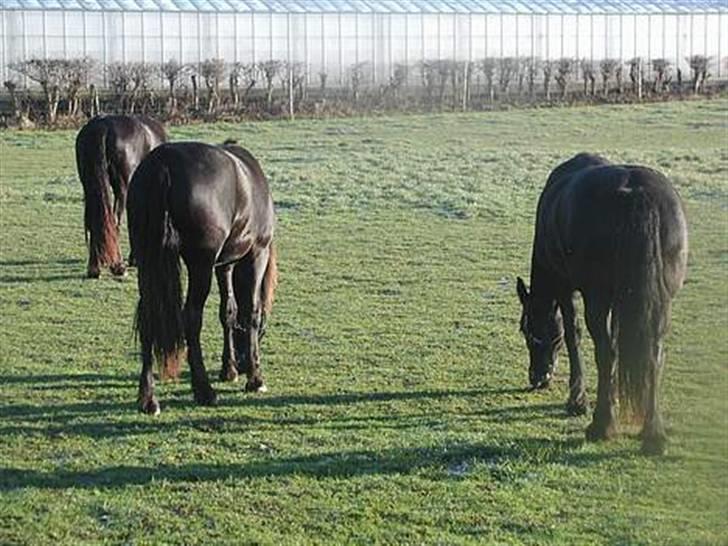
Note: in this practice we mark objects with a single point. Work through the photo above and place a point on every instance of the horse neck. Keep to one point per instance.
(543, 286)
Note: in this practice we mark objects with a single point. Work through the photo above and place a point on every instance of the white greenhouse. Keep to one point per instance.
(332, 35)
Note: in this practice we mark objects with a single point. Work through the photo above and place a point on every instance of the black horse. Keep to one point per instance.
(211, 206)
(618, 235)
(108, 149)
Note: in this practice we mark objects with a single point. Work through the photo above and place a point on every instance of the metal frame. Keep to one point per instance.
(377, 15)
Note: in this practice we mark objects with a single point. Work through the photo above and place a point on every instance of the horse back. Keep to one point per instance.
(585, 212)
(216, 202)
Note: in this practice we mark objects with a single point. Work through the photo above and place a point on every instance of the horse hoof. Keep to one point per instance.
(256, 385)
(118, 270)
(149, 406)
(654, 445)
(93, 274)
(599, 433)
(206, 399)
(574, 408)
(229, 375)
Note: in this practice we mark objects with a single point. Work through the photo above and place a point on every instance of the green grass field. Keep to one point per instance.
(397, 411)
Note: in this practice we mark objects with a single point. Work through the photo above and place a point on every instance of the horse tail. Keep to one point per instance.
(159, 320)
(642, 302)
(270, 281)
(101, 231)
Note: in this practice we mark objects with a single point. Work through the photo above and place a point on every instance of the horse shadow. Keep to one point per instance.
(440, 459)
(29, 270)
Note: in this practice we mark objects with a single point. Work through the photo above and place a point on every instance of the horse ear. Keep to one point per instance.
(522, 290)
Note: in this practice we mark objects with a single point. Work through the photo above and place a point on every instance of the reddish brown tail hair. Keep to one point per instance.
(101, 231)
(270, 281)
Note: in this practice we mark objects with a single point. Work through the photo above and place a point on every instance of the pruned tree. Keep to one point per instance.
(270, 71)
(49, 74)
(532, 65)
(212, 72)
(588, 75)
(548, 70)
(699, 69)
(635, 75)
(608, 68)
(173, 72)
(488, 67)
(357, 73)
(661, 69)
(564, 70)
(119, 77)
(245, 74)
(507, 70)
(293, 77)
(620, 80)
(76, 78)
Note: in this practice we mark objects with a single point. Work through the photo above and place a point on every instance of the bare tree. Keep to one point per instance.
(588, 75)
(173, 71)
(49, 73)
(76, 77)
(270, 70)
(212, 72)
(488, 66)
(532, 65)
(120, 78)
(608, 68)
(699, 68)
(661, 69)
(564, 70)
(618, 76)
(548, 69)
(357, 73)
(507, 69)
(635, 75)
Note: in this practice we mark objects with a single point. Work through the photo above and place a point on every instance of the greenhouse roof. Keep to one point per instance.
(379, 6)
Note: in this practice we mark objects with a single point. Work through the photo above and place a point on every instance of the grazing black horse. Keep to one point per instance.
(108, 149)
(618, 235)
(209, 205)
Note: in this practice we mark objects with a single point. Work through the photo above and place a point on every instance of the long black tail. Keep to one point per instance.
(642, 300)
(155, 243)
(102, 234)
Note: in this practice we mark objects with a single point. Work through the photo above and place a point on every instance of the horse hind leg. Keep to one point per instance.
(199, 271)
(147, 401)
(248, 278)
(229, 321)
(654, 438)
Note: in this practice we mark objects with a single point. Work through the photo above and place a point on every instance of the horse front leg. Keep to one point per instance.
(577, 403)
(603, 425)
